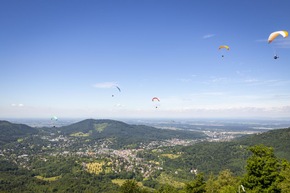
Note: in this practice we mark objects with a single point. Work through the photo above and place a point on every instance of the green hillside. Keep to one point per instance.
(124, 134)
(216, 156)
(10, 132)
(279, 139)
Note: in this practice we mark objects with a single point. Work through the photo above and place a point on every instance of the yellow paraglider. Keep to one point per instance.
(275, 34)
(224, 47)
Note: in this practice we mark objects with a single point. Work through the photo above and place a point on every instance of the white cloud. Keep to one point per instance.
(189, 111)
(119, 105)
(17, 105)
(251, 80)
(190, 79)
(235, 111)
(217, 80)
(185, 79)
(208, 36)
(105, 85)
(277, 43)
(270, 82)
(281, 43)
(205, 94)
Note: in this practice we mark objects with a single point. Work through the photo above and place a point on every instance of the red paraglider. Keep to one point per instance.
(155, 99)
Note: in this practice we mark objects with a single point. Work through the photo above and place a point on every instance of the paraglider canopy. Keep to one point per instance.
(275, 34)
(224, 46)
(54, 118)
(155, 99)
(118, 88)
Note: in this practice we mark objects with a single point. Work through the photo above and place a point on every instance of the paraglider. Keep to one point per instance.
(274, 35)
(224, 47)
(53, 119)
(118, 90)
(155, 99)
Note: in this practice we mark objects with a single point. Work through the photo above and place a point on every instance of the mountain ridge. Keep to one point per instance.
(124, 133)
(10, 132)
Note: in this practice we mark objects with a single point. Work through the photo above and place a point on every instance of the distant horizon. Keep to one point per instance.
(153, 118)
(257, 124)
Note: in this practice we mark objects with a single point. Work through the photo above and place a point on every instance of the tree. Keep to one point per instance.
(131, 186)
(263, 170)
(210, 184)
(285, 174)
(224, 183)
(166, 189)
(197, 185)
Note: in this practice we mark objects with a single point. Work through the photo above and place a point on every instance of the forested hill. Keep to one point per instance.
(104, 128)
(88, 125)
(216, 156)
(279, 139)
(10, 132)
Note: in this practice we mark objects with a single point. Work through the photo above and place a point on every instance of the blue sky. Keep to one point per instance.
(65, 58)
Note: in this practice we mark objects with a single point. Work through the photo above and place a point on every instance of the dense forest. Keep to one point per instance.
(85, 158)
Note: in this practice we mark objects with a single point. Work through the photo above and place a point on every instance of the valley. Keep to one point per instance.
(153, 154)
